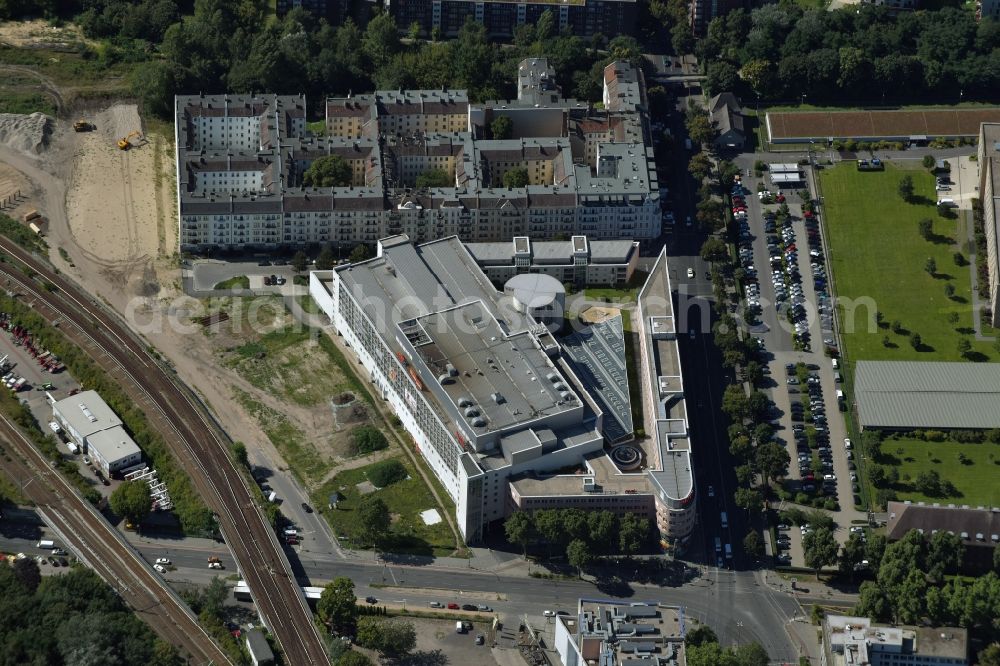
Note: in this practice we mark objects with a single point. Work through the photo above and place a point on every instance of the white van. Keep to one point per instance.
(835, 363)
(459, 627)
(45, 544)
(840, 394)
(724, 519)
(950, 203)
(73, 448)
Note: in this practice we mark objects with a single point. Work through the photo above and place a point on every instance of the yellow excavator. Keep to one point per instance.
(123, 143)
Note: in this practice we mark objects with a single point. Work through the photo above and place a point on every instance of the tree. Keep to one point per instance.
(949, 292)
(239, 450)
(328, 171)
(964, 347)
(996, 558)
(700, 166)
(753, 545)
(928, 482)
(753, 374)
(326, 260)
(700, 635)
(944, 555)
(872, 602)
(352, 658)
(930, 266)
(734, 403)
(959, 259)
(916, 341)
(896, 326)
(27, 574)
(749, 499)
(820, 549)
(369, 633)
(906, 187)
(758, 406)
(929, 161)
(367, 439)
(337, 607)
(520, 529)
(132, 500)
(434, 178)
(398, 638)
(578, 555)
(772, 461)
(851, 555)
(714, 250)
(632, 533)
(381, 39)
(700, 129)
(926, 228)
(359, 253)
(502, 127)
(299, 261)
(602, 527)
(516, 177)
(751, 654)
(373, 520)
(387, 472)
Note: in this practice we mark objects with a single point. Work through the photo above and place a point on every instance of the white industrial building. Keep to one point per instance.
(487, 395)
(97, 430)
(857, 641)
(613, 633)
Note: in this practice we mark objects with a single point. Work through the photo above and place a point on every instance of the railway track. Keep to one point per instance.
(195, 440)
(103, 549)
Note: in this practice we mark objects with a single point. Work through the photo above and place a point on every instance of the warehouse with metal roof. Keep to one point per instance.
(903, 395)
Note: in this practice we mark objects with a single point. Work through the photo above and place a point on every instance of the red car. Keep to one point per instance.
(453, 606)
(780, 198)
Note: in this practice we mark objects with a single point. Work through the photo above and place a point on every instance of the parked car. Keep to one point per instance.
(371, 600)
(163, 560)
(436, 604)
(160, 568)
(453, 606)
(469, 607)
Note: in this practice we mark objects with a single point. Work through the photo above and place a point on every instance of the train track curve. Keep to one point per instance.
(197, 443)
(104, 550)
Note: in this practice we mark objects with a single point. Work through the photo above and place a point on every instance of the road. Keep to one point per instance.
(196, 443)
(102, 548)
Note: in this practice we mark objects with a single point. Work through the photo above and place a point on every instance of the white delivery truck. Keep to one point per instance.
(47, 545)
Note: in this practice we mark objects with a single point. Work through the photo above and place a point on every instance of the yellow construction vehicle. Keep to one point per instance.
(82, 126)
(123, 143)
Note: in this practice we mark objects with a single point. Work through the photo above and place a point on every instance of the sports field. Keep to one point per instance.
(878, 256)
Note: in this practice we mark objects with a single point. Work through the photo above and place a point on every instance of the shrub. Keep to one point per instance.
(367, 439)
(386, 473)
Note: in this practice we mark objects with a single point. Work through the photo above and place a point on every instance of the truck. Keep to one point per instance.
(46, 544)
(729, 551)
(32, 214)
(459, 627)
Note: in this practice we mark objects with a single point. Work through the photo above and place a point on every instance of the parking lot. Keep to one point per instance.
(787, 293)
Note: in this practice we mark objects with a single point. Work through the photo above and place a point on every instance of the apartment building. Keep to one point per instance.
(583, 18)
(578, 261)
(703, 11)
(241, 160)
(857, 641)
(989, 195)
(490, 399)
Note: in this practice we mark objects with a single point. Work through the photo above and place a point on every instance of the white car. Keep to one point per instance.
(160, 568)
(86, 460)
(54, 427)
(687, 221)
(847, 443)
(548, 613)
(162, 560)
(215, 565)
(690, 273)
(711, 491)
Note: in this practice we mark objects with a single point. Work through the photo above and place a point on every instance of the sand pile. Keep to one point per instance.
(26, 134)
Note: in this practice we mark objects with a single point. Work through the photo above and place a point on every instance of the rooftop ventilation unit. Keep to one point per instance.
(559, 386)
(471, 412)
(479, 422)
(464, 402)
(552, 377)
(89, 414)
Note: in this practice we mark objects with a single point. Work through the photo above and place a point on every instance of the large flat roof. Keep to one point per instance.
(902, 123)
(915, 394)
(87, 413)
(507, 378)
(113, 444)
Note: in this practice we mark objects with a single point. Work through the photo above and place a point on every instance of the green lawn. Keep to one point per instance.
(977, 482)
(609, 295)
(405, 499)
(236, 282)
(878, 256)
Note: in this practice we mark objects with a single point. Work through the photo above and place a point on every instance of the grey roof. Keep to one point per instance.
(981, 526)
(914, 394)
(86, 412)
(113, 444)
(553, 252)
(258, 646)
(726, 112)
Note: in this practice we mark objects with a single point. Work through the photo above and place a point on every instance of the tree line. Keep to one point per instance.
(914, 585)
(71, 618)
(784, 52)
(579, 535)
